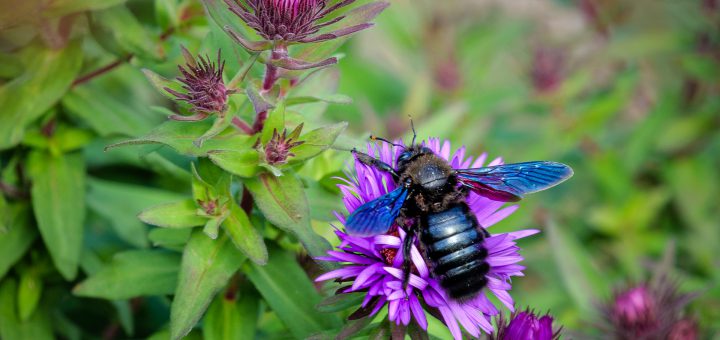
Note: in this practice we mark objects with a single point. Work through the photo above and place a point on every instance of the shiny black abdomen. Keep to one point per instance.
(454, 245)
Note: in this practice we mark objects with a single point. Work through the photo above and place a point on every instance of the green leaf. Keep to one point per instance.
(120, 204)
(29, 291)
(579, 275)
(331, 98)
(317, 141)
(11, 327)
(233, 315)
(58, 197)
(119, 23)
(160, 83)
(275, 122)
(283, 202)
(48, 75)
(133, 273)
(290, 293)
(239, 163)
(169, 238)
(340, 302)
(207, 265)
(181, 214)
(167, 13)
(181, 135)
(245, 236)
(17, 240)
(108, 114)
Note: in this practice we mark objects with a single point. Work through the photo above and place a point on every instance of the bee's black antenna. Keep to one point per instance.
(412, 126)
(373, 137)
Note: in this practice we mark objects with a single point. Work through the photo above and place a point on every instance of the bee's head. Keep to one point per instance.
(410, 153)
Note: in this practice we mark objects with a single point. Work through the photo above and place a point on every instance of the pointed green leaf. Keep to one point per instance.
(107, 114)
(120, 203)
(37, 327)
(245, 236)
(181, 214)
(239, 163)
(181, 135)
(30, 289)
(317, 141)
(340, 302)
(58, 197)
(331, 98)
(160, 83)
(207, 265)
(17, 240)
(291, 294)
(169, 238)
(232, 316)
(283, 202)
(48, 75)
(579, 275)
(275, 122)
(119, 23)
(133, 273)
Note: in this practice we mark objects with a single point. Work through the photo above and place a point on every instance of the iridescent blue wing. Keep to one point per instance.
(376, 217)
(510, 182)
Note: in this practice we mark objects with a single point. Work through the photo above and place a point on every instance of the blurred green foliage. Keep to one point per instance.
(626, 92)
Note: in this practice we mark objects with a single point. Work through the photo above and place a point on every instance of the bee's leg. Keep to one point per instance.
(374, 162)
(407, 261)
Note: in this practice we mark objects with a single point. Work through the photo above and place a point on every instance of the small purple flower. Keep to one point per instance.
(374, 264)
(646, 311)
(526, 325)
(204, 88)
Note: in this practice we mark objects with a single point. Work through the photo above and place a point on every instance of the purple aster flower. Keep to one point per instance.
(374, 264)
(204, 88)
(526, 325)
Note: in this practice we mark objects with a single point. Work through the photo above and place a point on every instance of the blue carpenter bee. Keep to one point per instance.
(430, 198)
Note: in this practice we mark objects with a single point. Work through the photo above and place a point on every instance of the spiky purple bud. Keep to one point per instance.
(277, 150)
(646, 311)
(635, 310)
(526, 325)
(204, 88)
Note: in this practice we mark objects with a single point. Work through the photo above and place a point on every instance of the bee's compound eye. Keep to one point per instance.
(404, 156)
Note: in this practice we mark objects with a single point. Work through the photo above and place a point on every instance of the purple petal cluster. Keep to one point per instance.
(526, 325)
(374, 264)
(298, 21)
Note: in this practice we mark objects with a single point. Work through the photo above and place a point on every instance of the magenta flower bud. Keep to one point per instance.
(650, 310)
(526, 325)
(635, 309)
(204, 88)
(277, 150)
(686, 329)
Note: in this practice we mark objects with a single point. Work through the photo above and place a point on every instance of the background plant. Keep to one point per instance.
(624, 91)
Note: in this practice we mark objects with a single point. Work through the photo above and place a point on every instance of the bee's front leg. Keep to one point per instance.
(376, 163)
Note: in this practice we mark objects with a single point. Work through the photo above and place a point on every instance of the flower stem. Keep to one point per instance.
(272, 72)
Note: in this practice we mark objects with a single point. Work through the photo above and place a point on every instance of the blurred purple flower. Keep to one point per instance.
(204, 88)
(547, 69)
(373, 264)
(526, 325)
(649, 310)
